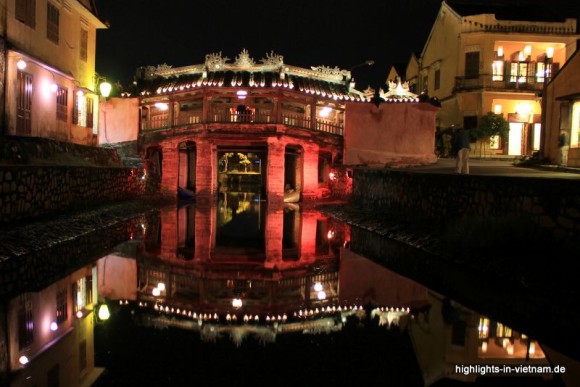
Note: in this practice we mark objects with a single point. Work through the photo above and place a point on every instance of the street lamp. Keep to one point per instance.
(368, 62)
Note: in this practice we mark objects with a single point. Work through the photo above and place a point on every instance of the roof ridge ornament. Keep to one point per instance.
(398, 91)
(336, 71)
(273, 59)
(215, 61)
(244, 60)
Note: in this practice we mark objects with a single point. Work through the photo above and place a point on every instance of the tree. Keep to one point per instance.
(244, 161)
(224, 160)
(490, 125)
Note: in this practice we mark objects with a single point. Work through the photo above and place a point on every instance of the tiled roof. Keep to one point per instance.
(506, 10)
(248, 80)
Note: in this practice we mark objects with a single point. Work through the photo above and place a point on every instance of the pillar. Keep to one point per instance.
(170, 169)
(275, 171)
(206, 173)
(310, 172)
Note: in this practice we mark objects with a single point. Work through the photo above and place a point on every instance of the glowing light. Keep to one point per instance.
(161, 286)
(497, 109)
(527, 50)
(80, 314)
(332, 176)
(53, 87)
(105, 89)
(550, 52)
(241, 94)
(23, 360)
(161, 106)
(317, 287)
(156, 292)
(53, 326)
(330, 234)
(237, 303)
(21, 64)
(484, 347)
(104, 313)
(510, 349)
(500, 51)
(80, 94)
(325, 112)
(322, 295)
(532, 349)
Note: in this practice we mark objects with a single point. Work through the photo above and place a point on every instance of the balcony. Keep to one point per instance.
(162, 121)
(490, 82)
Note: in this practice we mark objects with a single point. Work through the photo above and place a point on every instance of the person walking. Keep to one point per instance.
(461, 148)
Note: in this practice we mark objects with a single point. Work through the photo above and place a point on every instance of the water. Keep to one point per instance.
(241, 293)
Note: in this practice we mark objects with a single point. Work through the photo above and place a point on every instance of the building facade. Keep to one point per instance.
(563, 114)
(480, 59)
(48, 50)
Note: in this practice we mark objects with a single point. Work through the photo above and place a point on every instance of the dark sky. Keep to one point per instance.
(306, 32)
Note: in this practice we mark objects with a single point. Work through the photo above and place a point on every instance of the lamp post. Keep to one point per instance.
(368, 62)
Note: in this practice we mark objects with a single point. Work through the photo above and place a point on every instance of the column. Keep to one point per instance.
(170, 169)
(310, 172)
(206, 173)
(275, 171)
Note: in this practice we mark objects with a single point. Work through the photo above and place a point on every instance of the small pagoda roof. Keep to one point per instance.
(332, 83)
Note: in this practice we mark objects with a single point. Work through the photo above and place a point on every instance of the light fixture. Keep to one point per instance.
(105, 89)
(23, 360)
(156, 292)
(237, 303)
(527, 50)
(104, 313)
(550, 52)
(317, 287)
(53, 326)
(241, 94)
(500, 51)
(80, 314)
(161, 106)
(325, 112)
(321, 295)
(330, 234)
(497, 109)
(21, 64)
(161, 286)
(484, 346)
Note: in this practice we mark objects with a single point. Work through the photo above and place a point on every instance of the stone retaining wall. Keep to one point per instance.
(28, 192)
(552, 203)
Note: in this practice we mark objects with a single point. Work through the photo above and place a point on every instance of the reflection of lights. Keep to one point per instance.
(237, 303)
(532, 349)
(484, 347)
(330, 234)
(23, 360)
(322, 295)
(317, 287)
(53, 326)
(510, 349)
(104, 313)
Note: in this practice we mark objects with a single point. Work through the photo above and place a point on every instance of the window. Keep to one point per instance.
(25, 323)
(61, 306)
(437, 79)
(497, 68)
(519, 72)
(26, 12)
(52, 23)
(84, 44)
(89, 109)
(82, 293)
(61, 104)
(472, 64)
(82, 110)
(23, 103)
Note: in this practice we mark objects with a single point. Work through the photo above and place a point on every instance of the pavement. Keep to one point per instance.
(482, 167)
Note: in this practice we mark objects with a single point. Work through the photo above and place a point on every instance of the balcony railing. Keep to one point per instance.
(184, 118)
(500, 83)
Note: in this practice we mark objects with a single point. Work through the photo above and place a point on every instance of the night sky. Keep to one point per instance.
(306, 32)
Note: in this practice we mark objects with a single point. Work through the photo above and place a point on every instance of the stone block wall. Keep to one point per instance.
(28, 192)
(551, 203)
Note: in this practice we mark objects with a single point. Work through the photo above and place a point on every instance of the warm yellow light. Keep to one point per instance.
(532, 349)
(317, 287)
(550, 52)
(80, 94)
(105, 89)
(325, 112)
(161, 106)
(21, 64)
(53, 87)
(527, 50)
(510, 349)
(484, 347)
(104, 313)
(161, 286)
(497, 109)
(500, 51)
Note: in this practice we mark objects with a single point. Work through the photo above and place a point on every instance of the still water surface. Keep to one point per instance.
(240, 293)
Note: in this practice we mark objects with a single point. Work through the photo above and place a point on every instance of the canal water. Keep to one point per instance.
(242, 293)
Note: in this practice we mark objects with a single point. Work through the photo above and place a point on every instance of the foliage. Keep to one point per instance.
(224, 160)
(491, 125)
(244, 161)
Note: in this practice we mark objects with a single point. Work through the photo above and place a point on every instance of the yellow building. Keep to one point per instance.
(482, 58)
(49, 69)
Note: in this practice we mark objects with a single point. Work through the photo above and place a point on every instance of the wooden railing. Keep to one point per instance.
(503, 82)
(184, 118)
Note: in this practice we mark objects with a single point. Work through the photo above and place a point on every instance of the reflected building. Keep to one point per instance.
(48, 336)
